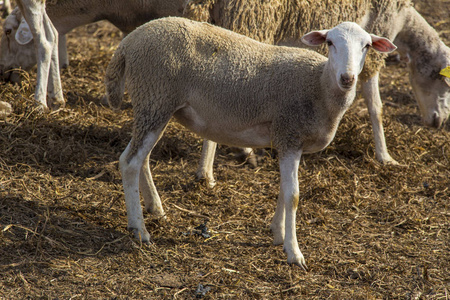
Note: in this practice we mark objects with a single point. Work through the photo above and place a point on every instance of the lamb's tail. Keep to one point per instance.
(115, 79)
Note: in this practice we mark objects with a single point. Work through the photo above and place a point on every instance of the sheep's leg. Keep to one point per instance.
(278, 221)
(54, 88)
(131, 165)
(289, 192)
(62, 52)
(371, 94)
(34, 12)
(148, 189)
(250, 156)
(205, 166)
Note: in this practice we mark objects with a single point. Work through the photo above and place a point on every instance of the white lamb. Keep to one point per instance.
(236, 91)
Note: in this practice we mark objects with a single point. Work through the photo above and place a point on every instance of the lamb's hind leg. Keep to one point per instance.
(148, 189)
(131, 163)
(205, 166)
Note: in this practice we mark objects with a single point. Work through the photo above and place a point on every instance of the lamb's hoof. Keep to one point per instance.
(209, 182)
(155, 212)
(391, 162)
(38, 108)
(297, 260)
(141, 235)
(301, 265)
(56, 104)
(252, 160)
(387, 160)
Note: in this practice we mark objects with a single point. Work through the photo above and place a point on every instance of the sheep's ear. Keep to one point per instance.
(23, 33)
(382, 44)
(315, 38)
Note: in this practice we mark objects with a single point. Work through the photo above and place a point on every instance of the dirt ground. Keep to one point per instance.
(367, 231)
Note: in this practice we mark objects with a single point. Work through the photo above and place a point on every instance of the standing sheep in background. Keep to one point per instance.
(18, 52)
(235, 91)
(284, 22)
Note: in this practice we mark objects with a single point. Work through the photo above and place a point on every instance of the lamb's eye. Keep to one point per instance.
(8, 31)
(367, 46)
(329, 43)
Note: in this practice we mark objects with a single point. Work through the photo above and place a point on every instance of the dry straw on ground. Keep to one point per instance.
(367, 231)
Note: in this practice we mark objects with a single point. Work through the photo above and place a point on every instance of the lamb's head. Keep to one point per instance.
(347, 44)
(17, 49)
(430, 79)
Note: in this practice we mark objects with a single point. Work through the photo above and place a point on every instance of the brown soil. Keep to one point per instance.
(367, 231)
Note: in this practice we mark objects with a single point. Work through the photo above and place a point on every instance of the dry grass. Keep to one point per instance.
(367, 231)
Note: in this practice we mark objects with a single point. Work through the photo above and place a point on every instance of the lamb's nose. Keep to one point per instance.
(347, 80)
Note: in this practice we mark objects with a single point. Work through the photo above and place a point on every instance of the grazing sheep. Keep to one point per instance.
(236, 91)
(284, 22)
(17, 51)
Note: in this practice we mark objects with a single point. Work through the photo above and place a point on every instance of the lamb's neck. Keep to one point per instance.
(417, 39)
(335, 101)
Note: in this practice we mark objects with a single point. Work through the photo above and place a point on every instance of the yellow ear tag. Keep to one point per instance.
(445, 72)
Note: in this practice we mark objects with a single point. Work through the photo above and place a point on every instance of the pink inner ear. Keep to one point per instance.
(382, 44)
(315, 38)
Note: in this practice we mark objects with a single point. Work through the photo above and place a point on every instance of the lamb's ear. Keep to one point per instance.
(315, 38)
(382, 44)
(23, 33)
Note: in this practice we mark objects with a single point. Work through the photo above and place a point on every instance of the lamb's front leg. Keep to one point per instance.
(278, 222)
(371, 94)
(289, 193)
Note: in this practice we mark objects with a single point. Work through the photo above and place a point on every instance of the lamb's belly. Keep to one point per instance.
(226, 131)
(253, 137)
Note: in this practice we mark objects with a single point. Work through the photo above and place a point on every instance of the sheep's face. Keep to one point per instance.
(348, 44)
(13, 55)
(431, 86)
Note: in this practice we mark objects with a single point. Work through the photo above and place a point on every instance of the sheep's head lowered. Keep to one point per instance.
(17, 50)
(431, 86)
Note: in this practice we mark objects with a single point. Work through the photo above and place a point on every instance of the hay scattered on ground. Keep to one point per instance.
(367, 231)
